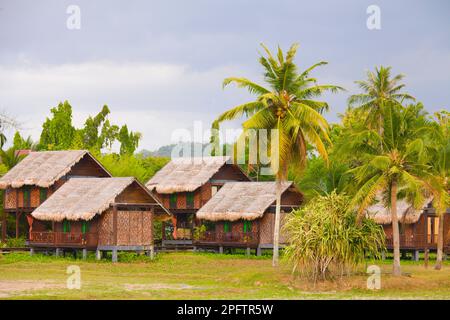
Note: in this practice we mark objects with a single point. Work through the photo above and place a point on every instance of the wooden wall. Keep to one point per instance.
(134, 228)
(87, 167)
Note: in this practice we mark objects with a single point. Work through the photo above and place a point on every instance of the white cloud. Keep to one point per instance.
(151, 98)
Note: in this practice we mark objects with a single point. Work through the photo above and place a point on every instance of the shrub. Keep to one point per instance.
(325, 240)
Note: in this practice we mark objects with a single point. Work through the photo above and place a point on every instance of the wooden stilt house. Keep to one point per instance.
(37, 177)
(102, 214)
(242, 214)
(418, 227)
(184, 185)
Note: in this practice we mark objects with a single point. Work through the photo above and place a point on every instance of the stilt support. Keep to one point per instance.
(98, 255)
(58, 252)
(84, 254)
(221, 250)
(416, 255)
(114, 255)
(31, 251)
(258, 251)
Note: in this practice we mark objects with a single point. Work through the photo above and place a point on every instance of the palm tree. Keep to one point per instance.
(10, 158)
(393, 165)
(439, 162)
(378, 90)
(286, 105)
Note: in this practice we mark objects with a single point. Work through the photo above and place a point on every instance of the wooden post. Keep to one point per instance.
(4, 227)
(17, 224)
(426, 257)
(416, 255)
(152, 252)
(114, 255)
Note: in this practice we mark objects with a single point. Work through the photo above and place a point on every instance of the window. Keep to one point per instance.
(42, 194)
(247, 226)
(190, 199)
(226, 226)
(66, 226)
(173, 200)
(26, 197)
(85, 227)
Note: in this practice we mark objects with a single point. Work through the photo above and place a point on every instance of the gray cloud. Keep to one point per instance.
(159, 64)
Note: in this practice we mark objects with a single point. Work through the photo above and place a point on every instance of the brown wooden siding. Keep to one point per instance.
(133, 228)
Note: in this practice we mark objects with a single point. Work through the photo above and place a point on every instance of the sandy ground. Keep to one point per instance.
(9, 288)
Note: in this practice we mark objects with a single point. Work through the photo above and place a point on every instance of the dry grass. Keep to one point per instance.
(202, 276)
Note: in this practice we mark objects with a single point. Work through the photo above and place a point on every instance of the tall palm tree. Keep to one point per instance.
(393, 165)
(378, 90)
(287, 105)
(439, 162)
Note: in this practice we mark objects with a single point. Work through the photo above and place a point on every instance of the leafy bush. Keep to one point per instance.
(325, 240)
(14, 243)
(199, 231)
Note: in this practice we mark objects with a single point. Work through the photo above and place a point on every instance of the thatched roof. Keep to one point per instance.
(83, 198)
(406, 213)
(185, 174)
(43, 168)
(240, 200)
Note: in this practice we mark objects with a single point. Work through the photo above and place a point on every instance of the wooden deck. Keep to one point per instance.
(63, 240)
(417, 242)
(228, 239)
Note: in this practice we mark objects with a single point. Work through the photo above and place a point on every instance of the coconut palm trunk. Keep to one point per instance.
(276, 231)
(395, 230)
(440, 242)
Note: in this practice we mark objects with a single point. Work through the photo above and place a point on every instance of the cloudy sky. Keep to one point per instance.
(159, 65)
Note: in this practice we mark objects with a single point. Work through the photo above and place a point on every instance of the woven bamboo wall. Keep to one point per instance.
(267, 226)
(134, 228)
(105, 229)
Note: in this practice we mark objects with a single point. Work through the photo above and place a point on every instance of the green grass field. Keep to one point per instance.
(203, 276)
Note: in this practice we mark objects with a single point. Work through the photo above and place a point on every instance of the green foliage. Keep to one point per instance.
(19, 143)
(287, 105)
(58, 132)
(199, 231)
(320, 179)
(129, 140)
(10, 158)
(142, 168)
(14, 243)
(325, 241)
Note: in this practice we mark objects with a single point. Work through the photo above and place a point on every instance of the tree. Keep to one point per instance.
(325, 241)
(19, 143)
(379, 89)
(439, 162)
(58, 132)
(286, 105)
(393, 165)
(129, 140)
(92, 140)
(10, 158)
